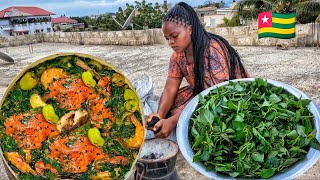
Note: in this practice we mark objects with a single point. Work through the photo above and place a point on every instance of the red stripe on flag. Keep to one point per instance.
(264, 19)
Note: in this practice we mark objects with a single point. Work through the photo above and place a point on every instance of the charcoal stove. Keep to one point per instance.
(157, 160)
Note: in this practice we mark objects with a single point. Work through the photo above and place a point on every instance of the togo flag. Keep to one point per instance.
(276, 25)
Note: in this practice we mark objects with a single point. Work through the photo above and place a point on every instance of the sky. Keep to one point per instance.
(87, 7)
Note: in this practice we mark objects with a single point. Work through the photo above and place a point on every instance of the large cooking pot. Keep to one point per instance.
(135, 109)
(297, 169)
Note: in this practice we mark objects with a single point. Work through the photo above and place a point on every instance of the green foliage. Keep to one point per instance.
(307, 10)
(18, 101)
(234, 21)
(251, 130)
(8, 144)
(147, 16)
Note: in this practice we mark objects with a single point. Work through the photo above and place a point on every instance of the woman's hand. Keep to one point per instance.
(162, 128)
(149, 119)
(165, 126)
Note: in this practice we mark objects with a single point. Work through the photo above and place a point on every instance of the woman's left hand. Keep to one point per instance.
(166, 128)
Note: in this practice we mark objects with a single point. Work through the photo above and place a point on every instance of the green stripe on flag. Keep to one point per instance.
(284, 16)
(275, 35)
(283, 26)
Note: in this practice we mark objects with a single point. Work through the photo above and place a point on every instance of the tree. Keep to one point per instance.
(106, 23)
(80, 20)
(307, 10)
(234, 21)
(147, 16)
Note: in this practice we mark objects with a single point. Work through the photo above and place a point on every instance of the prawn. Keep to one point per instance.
(137, 139)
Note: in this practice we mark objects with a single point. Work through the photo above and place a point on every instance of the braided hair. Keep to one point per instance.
(184, 14)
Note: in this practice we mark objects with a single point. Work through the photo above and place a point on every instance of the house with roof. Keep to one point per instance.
(212, 16)
(64, 23)
(22, 20)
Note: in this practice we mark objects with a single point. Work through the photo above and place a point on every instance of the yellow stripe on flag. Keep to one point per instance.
(283, 21)
(276, 30)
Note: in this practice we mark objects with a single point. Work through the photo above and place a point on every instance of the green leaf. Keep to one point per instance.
(240, 167)
(205, 156)
(289, 162)
(239, 117)
(234, 174)
(271, 116)
(198, 141)
(274, 98)
(305, 102)
(266, 103)
(206, 116)
(229, 131)
(194, 132)
(307, 123)
(239, 88)
(272, 154)
(314, 143)
(219, 158)
(239, 135)
(197, 156)
(231, 105)
(293, 134)
(274, 131)
(267, 173)
(257, 157)
(300, 130)
(261, 83)
(224, 126)
(283, 105)
(297, 149)
(274, 162)
(237, 125)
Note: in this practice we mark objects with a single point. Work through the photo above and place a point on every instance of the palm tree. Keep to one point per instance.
(307, 10)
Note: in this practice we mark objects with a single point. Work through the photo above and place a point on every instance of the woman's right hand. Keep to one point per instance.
(150, 118)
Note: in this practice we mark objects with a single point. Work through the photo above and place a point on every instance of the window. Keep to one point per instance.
(202, 14)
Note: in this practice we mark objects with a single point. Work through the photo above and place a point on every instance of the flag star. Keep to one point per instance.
(264, 19)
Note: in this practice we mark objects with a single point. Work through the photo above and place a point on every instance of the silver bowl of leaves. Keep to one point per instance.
(250, 129)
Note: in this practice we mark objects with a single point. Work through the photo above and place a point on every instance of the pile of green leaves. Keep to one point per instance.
(251, 130)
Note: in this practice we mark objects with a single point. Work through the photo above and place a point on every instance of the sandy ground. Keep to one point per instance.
(298, 67)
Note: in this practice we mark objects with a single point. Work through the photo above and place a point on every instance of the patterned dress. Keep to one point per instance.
(216, 71)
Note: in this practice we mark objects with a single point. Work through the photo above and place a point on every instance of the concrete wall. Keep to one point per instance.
(247, 36)
(237, 36)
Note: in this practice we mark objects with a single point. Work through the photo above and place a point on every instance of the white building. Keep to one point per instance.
(19, 20)
(213, 17)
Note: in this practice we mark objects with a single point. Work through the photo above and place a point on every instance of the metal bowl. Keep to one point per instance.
(297, 169)
(11, 174)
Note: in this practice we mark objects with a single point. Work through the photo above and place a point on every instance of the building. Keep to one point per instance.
(64, 23)
(213, 16)
(21, 20)
(205, 12)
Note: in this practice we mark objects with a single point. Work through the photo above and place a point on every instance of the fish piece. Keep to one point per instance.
(49, 75)
(70, 93)
(72, 120)
(17, 160)
(84, 66)
(75, 153)
(29, 130)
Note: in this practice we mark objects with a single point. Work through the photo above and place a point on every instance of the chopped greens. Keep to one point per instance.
(251, 130)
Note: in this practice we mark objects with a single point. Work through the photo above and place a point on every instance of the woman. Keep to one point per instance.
(204, 59)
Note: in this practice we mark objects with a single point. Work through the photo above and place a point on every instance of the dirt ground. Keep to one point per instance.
(298, 67)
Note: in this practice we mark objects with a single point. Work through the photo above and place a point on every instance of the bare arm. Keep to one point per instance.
(168, 96)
